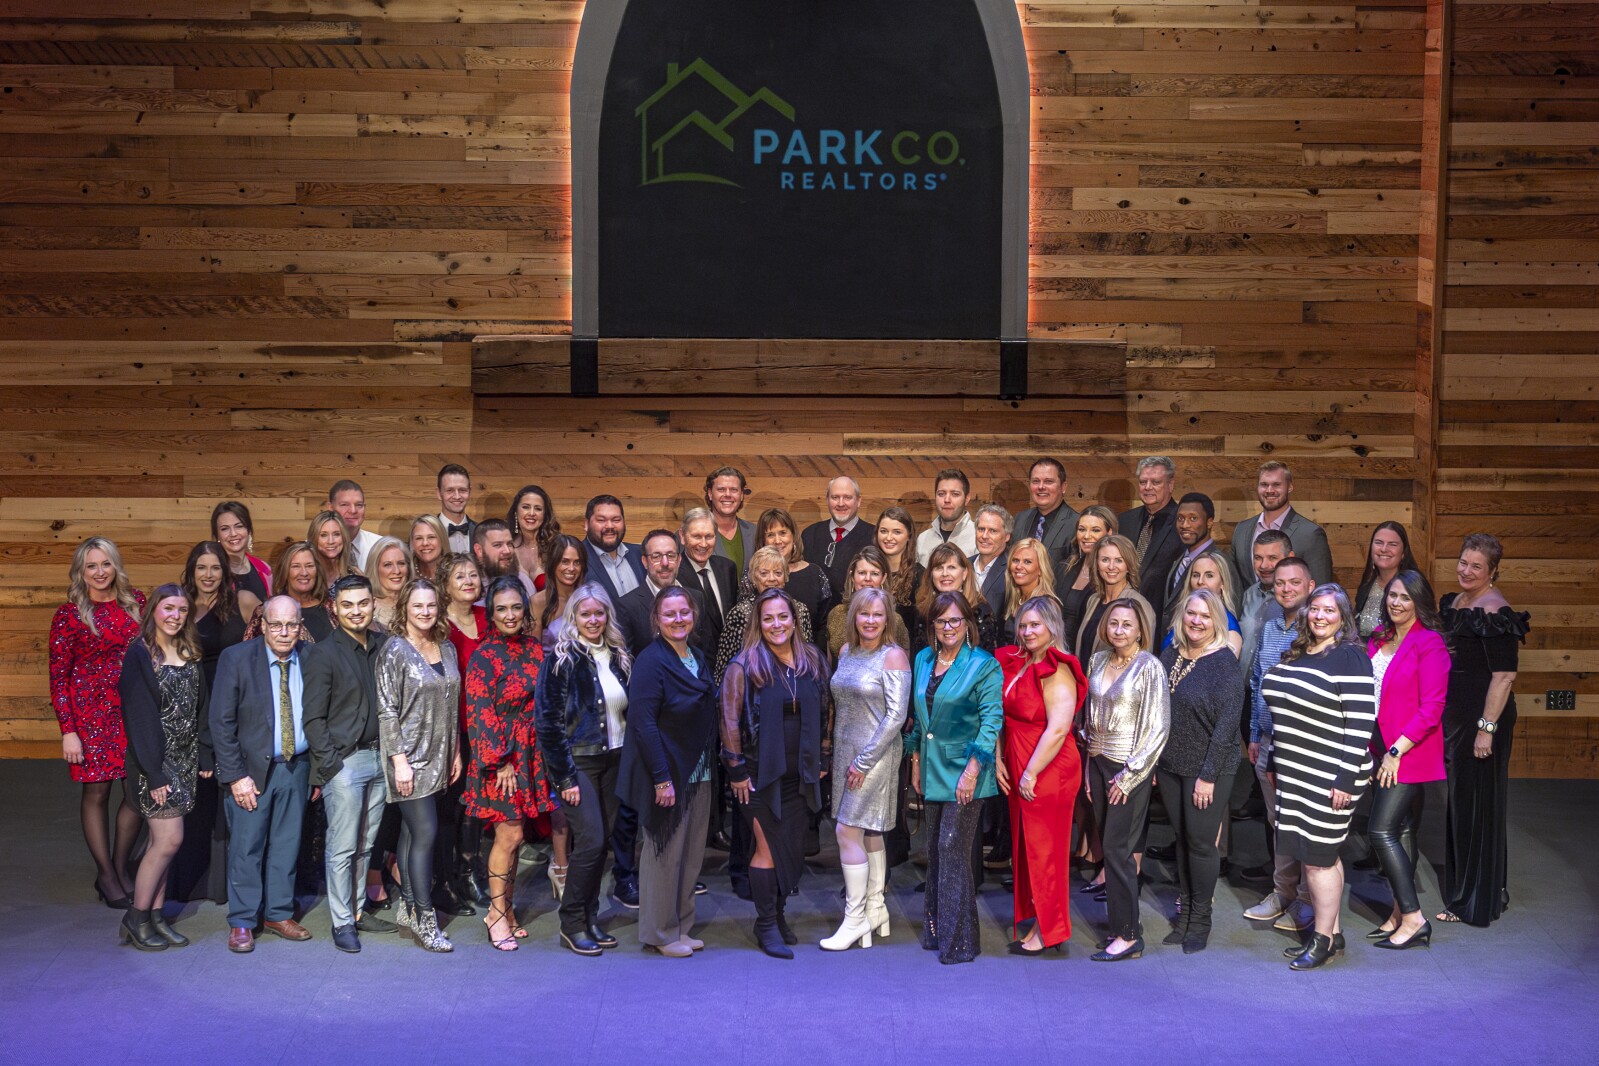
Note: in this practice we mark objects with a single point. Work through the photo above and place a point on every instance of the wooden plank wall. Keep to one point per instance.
(1519, 383)
(250, 246)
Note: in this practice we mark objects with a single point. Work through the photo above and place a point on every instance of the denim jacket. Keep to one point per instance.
(570, 713)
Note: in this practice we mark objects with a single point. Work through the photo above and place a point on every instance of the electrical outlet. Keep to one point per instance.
(1560, 699)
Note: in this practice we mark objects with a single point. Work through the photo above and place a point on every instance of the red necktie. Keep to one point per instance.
(838, 535)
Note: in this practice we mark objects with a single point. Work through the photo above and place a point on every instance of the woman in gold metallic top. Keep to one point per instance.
(1127, 720)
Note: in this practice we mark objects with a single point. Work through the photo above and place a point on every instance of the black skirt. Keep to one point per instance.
(780, 810)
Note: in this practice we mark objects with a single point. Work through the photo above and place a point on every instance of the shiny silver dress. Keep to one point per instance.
(869, 707)
(418, 714)
(180, 728)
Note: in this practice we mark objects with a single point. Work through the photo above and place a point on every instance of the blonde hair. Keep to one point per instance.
(1146, 634)
(78, 586)
(566, 644)
(882, 597)
(1218, 624)
(1129, 553)
(1048, 610)
(402, 601)
(374, 562)
(1046, 575)
(767, 554)
(312, 535)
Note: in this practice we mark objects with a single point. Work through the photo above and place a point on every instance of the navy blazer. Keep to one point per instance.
(671, 727)
(597, 571)
(993, 586)
(244, 713)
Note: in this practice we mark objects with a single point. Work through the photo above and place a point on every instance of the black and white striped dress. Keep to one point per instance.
(1323, 711)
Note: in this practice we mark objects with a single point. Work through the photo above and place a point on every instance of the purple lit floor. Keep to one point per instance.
(1524, 991)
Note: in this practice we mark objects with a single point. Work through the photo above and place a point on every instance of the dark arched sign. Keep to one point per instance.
(826, 169)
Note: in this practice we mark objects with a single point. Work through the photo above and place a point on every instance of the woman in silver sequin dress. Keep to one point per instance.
(419, 689)
(163, 692)
(871, 696)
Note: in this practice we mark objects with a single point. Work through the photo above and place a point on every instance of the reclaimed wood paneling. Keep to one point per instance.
(1517, 455)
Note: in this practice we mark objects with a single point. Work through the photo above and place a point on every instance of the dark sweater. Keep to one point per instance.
(1206, 708)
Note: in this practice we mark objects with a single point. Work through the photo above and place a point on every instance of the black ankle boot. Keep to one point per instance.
(1179, 925)
(158, 922)
(763, 887)
(1197, 933)
(137, 930)
(1317, 951)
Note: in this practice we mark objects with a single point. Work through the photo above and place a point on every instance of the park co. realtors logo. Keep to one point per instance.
(681, 141)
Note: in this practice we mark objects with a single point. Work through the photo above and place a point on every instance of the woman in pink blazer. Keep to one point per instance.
(1410, 661)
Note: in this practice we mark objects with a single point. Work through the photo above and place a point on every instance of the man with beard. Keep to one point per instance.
(612, 562)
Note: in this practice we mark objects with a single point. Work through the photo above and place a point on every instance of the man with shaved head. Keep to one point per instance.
(257, 720)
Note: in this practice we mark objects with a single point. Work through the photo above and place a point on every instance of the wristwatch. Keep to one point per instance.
(1395, 752)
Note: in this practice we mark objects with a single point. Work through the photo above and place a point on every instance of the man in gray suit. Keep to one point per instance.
(1050, 519)
(1274, 488)
(994, 526)
(257, 717)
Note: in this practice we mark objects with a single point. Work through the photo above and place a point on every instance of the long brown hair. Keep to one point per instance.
(280, 571)
(188, 639)
(552, 586)
(402, 600)
(1422, 598)
(940, 555)
(900, 583)
(227, 601)
(1348, 631)
(758, 662)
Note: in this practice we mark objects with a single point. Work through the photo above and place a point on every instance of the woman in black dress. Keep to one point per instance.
(807, 583)
(231, 527)
(163, 702)
(1479, 724)
(1074, 580)
(773, 699)
(896, 539)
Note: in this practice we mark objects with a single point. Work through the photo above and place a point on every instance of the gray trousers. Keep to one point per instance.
(666, 878)
(353, 802)
(1287, 878)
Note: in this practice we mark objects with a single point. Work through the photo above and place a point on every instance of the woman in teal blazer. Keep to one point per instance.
(955, 688)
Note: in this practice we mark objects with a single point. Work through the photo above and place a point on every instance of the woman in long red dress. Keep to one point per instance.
(88, 637)
(505, 782)
(1041, 771)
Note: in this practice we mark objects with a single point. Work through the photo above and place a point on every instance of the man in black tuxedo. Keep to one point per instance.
(994, 526)
(1050, 519)
(1153, 530)
(341, 728)
(612, 562)
(713, 576)
(832, 543)
(257, 717)
(454, 487)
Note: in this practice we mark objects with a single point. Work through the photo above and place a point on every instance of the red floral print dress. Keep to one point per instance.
(84, 669)
(499, 685)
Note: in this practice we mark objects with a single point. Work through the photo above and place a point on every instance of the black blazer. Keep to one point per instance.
(1058, 531)
(597, 571)
(993, 586)
(244, 713)
(569, 713)
(340, 695)
(817, 538)
(1164, 549)
(633, 618)
(141, 716)
(725, 576)
(671, 726)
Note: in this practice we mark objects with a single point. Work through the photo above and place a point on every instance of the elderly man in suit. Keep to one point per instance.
(1274, 488)
(833, 542)
(713, 576)
(994, 526)
(257, 718)
(1152, 529)
(1050, 519)
(614, 563)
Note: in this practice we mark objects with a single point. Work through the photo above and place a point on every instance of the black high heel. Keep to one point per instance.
(115, 904)
(1380, 933)
(1136, 950)
(1017, 947)
(1420, 938)
(158, 922)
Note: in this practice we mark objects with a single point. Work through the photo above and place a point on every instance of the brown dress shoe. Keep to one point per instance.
(241, 941)
(288, 929)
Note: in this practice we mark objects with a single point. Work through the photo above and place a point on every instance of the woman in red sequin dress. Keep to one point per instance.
(88, 637)
(1040, 771)
(505, 782)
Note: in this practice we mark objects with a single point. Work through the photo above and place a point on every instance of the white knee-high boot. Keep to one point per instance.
(855, 926)
(876, 880)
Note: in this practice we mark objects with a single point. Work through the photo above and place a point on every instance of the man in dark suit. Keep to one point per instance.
(257, 718)
(454, 489)
(613, 563)
(994, 525)
(1274, 488)
(662, 562)
(1050, 519)
(341, 728)
(713, 576)
(1152, 528)
(833, 542)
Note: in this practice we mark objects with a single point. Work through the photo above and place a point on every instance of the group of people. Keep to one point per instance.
(422, 707)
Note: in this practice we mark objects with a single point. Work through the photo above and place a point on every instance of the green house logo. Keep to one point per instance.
(656, 148)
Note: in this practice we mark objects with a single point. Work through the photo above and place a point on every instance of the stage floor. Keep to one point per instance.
(1524, 991)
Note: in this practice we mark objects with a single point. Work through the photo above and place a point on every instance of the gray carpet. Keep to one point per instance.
(1524, 991)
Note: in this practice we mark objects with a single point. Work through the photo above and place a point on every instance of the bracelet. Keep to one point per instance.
(1487, 727)
(664, 785)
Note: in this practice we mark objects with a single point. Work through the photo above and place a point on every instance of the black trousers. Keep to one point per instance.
(624, 842)
(1392, 832)
(1198, 857)
(591, 821)
(1121, 826)
(950, 903)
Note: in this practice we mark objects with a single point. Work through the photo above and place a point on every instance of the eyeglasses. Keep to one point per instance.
(661, 557)
(282, 627)
(949, 623)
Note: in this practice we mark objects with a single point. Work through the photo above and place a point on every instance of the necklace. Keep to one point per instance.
(1180, 671)
(791, 683)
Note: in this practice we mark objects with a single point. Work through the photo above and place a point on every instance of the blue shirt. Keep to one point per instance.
(1275, 637)
(296, 700)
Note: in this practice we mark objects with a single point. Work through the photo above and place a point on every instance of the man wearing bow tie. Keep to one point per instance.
(455, 492)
